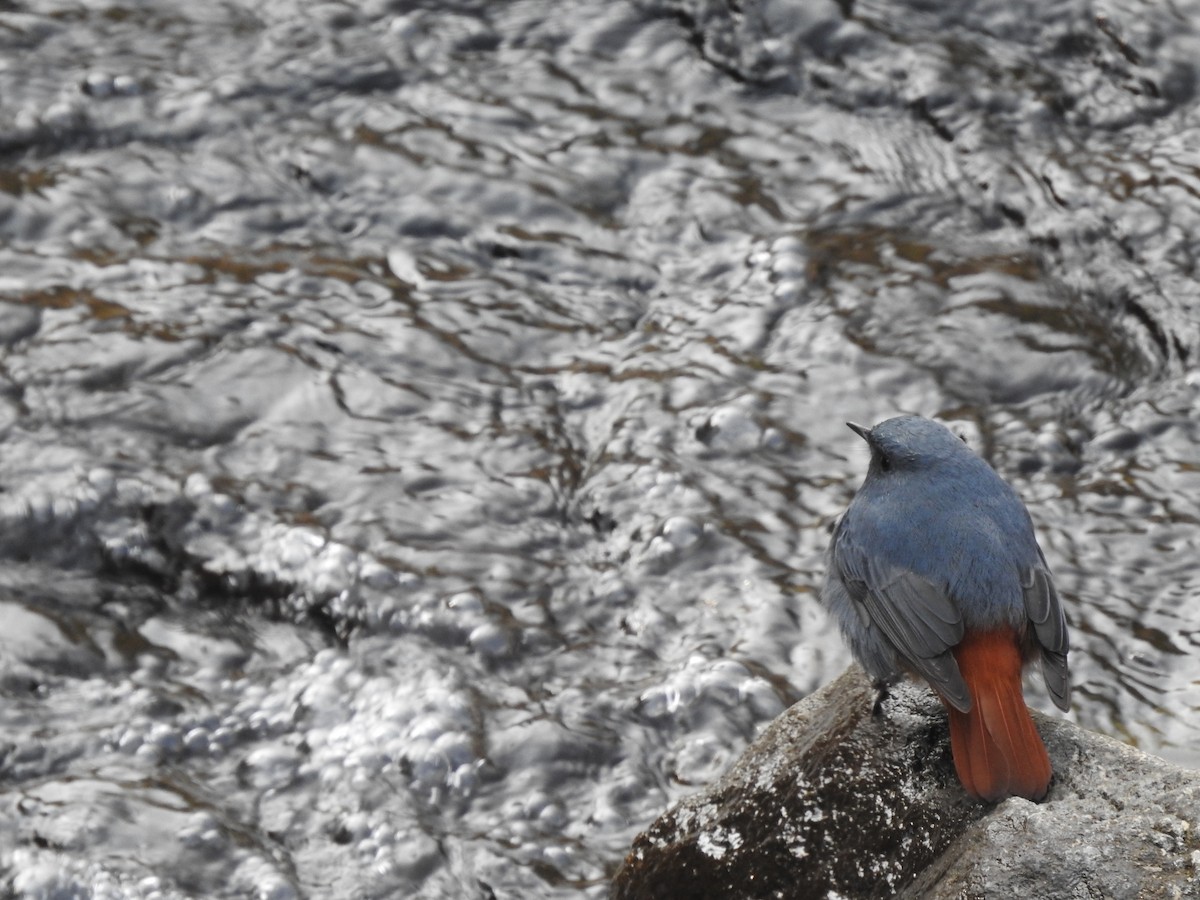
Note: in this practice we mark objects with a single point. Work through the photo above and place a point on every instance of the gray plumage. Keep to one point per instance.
(935, 543)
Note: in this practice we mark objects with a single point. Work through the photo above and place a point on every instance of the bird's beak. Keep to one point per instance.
(861, 430)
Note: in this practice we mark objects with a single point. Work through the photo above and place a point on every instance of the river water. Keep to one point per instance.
(422, 422)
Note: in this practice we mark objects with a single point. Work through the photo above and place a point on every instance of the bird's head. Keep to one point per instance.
(910, 444)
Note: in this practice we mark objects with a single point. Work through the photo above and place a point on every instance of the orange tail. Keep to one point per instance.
(997, 750)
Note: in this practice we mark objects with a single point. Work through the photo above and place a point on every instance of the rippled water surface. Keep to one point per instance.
(422, 421)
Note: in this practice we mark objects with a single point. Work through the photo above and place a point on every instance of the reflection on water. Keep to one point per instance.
(422, 427)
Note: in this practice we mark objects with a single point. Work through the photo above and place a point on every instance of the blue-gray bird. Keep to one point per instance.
(934, 571)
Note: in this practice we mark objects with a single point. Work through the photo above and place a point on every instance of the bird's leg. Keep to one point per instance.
(882, 692)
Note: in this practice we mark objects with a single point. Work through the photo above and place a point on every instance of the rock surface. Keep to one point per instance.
(831, 802)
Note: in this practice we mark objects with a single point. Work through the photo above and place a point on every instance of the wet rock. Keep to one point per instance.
(832, 802)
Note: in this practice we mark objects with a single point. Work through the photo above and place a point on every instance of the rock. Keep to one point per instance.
(832, 802)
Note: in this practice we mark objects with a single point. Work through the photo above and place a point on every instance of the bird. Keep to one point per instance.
(934, 571)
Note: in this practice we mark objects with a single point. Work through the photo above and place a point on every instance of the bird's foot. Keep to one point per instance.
(882, 692)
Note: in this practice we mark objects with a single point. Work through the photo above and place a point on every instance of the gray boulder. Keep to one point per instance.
(832, 802)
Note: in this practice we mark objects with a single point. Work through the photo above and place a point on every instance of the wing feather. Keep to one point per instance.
(917, 617)
(1045, 612)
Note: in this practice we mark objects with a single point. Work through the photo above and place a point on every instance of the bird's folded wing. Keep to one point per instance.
(1045, 612)
(917, 617)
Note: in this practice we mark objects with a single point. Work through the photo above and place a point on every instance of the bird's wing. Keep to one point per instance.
(1044, 610)
(917, 616)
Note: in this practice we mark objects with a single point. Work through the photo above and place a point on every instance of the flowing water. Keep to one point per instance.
(422, 422)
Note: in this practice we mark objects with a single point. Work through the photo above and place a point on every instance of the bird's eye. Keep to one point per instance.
(884, 463)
